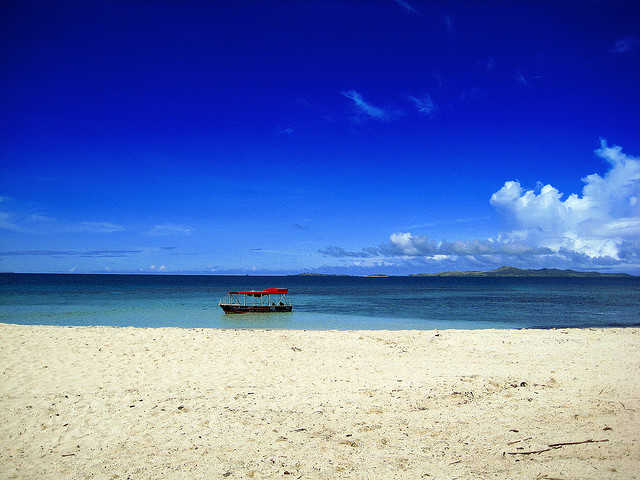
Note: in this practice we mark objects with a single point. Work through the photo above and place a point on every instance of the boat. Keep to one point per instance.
(257, 301)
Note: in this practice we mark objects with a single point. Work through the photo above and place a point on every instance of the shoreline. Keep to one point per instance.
(168, 402)
(635, 326)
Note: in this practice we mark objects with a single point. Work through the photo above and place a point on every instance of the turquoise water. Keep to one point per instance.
(321, 303)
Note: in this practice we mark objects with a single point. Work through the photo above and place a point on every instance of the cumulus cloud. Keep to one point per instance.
(599, 223)
(406, 6)
(161, 268)
(406, 244)
(170, 229)
(364, 107)
(424, 105)
(600, 227)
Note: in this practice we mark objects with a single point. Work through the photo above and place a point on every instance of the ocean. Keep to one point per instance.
(321, 303)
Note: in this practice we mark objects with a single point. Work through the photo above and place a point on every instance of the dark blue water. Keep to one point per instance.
(322, 303)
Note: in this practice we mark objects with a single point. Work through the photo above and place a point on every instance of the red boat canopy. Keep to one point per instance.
(276, 290)
(266, 291)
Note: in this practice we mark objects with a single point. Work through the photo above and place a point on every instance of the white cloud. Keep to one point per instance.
(599, 228)
(521, 79)
(364, 107)
(62, 253)
(596, 223)
(406, 244)
(171, 229)
(424, 105)
(406, 6)
(7, 223)
(35, 217)
(96, 227)
(36, 223)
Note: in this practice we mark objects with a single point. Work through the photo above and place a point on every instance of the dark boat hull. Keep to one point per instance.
(255, 308)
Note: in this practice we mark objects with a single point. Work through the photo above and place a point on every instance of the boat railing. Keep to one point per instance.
(255, 298)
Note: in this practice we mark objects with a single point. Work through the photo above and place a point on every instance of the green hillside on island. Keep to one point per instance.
(517, 272)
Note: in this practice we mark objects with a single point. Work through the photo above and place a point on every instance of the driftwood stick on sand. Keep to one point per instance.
(521, 440)
(555, 446)
(532, 452)
(577, 443)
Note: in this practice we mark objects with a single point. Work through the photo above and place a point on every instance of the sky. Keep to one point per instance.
(349, 137)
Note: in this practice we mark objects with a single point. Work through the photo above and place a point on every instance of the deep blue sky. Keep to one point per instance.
(330, 136)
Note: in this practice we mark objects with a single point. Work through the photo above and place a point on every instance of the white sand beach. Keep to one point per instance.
(128, 403)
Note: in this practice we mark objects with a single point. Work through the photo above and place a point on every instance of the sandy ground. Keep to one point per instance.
(125, 403)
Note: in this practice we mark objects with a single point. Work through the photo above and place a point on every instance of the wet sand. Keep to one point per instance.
(118, 403)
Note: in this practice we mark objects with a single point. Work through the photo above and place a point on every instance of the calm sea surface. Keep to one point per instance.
(321, 303)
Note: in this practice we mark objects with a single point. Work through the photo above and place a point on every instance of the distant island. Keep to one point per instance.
(517, 272)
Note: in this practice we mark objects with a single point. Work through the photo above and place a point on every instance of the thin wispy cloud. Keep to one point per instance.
(449, 222)
(364, 107)
(407, 6)
(286, 131)
(8, 223)
(96, 227)
(36, 223)
(70, 253)
(170, 229)
(424, 104)
(339, 252)
(447, 21)
(521, 79)
(36, 217)
(624, 45)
